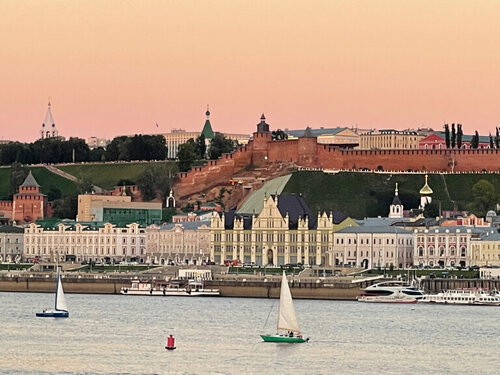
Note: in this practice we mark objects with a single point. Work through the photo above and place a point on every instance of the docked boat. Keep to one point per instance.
(391, 292)
(192, 288)
(288, 330)
(473, 296)
(60, 309)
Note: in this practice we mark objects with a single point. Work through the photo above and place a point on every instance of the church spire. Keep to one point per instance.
(48, 129)
(207, 131)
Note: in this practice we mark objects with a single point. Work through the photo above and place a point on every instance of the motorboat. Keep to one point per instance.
(471, 296)
(391, 292)
(173, 288)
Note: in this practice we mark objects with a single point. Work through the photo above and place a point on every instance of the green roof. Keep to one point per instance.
(255, 201)
(207, 131)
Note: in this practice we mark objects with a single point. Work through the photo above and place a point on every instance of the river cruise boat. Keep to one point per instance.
(463, 297)
(191, 288)
(391, 292)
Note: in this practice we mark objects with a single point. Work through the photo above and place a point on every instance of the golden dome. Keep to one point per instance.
(426, 189)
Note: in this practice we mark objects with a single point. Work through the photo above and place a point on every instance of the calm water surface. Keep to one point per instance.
(113, 334)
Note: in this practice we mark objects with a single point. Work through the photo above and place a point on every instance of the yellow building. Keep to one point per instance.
(486, 251)
(332, 136)
(389, 139)
(283, 232)
(117, 209)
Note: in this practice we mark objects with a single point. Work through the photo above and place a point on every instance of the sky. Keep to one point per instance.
(121, 67)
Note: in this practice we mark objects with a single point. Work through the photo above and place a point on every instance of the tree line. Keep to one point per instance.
(56, 150)
(453, 139)
(196, 150)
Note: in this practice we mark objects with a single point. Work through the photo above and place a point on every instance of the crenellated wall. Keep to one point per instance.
(306, 152)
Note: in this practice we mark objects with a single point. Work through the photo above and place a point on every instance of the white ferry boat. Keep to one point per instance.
(463, 297)
(391, 292)
(146, 288)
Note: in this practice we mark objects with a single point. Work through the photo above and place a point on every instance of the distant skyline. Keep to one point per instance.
(121, 67)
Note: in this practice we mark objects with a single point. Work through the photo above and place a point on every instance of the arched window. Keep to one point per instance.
(452, 251)
(420, 251)
(462, 251)
(431, 250)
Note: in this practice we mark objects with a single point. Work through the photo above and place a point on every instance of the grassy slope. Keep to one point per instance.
(45, 178)
(369, 194)
(107, 176)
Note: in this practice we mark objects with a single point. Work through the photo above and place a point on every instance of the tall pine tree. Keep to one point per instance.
(447, 135)
(453, 135)
(459, 135)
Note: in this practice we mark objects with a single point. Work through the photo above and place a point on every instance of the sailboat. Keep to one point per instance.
(287, 329)
(61, 309)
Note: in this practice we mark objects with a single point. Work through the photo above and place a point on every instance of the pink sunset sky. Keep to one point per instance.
(120, 67)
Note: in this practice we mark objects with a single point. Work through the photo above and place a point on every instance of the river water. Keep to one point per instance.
(114, 334)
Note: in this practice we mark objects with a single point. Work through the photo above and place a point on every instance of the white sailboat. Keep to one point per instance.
(287, 328)
(60, 309)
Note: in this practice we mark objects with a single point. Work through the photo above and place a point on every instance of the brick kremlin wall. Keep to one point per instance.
(306, 152)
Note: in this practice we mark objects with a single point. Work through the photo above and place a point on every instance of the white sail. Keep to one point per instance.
(60, 299)
(286, 313)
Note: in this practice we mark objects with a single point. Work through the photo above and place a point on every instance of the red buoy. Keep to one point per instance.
(170, 343)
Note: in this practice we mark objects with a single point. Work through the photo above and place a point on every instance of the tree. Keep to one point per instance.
(163, 181)
(84, 184)
(474, 142)
(453, 135)
(431, 210)
(65, 208)
(97, 154)
(146, 183)
(485, 198)
(201, 147)
(492, 145)
(279, 134)
(17, 176)
(459, 135)
(220, 145)
(497, 138)
(53, 193)
(447, 135)
(186, 156)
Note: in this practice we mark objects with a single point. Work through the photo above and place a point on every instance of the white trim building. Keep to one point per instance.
(186, 242)
(85, 242)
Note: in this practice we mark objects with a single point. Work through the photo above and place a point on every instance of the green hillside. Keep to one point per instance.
(45, 179)
(370, 194)
(107, 175)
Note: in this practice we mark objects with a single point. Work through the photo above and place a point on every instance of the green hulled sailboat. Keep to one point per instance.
(287, 328)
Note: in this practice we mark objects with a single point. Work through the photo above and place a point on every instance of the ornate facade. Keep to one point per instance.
(372, 246)
(182, 243)
(85, 242)
(446, 246)
(386, 139)
(283, 232)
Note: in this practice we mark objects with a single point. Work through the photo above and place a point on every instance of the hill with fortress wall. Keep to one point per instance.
(261, 151)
